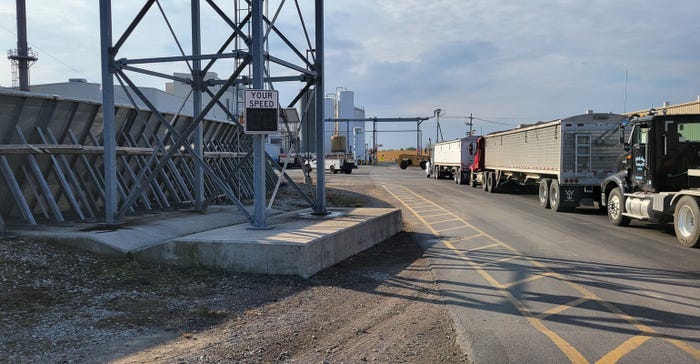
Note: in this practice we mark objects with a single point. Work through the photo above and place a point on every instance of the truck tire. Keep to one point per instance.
(348, 171)
(686, 221)
(487, 181)
(436, 172)
(332, 169)
(484, 180)
(422, 164)
(403, 164)
(493, 182)
(457, 175)
(555, 196)
(543, 192)
(472, 179)
(616, 206)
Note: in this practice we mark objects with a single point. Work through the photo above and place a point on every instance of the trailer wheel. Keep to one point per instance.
(686, 221)
(493, 183)
(543, 192)
(422, 164)
(348, 171)
(555, 196)
(616, 206)
(403, 164)
(332, 169)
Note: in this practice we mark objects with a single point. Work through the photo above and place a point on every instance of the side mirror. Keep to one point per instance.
(622, 134)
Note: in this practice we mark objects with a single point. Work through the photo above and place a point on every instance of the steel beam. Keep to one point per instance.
(320, 206)
(109, 129)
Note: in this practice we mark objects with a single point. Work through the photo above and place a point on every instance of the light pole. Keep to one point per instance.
(436, 113)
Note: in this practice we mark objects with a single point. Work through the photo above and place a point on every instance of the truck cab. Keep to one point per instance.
(659, 175)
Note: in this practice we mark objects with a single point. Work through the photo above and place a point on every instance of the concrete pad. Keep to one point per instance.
(135, 232)
(298, 243)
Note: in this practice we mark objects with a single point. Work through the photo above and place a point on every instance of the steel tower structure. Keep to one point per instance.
(247, 49)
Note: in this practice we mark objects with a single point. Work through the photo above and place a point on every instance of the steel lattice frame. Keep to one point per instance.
(70, 160)
(189, 139)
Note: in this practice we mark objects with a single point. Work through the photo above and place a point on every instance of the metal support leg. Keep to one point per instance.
(16, 191)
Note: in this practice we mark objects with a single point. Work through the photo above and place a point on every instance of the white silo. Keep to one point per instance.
(329, 113)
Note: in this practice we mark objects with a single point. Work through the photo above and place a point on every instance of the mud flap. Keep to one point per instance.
(570, 196)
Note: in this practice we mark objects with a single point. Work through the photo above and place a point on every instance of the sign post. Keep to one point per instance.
(261, 117)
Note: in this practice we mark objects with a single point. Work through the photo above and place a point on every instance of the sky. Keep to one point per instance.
(506, 63)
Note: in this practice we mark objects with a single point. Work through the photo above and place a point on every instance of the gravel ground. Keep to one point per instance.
(61, 305)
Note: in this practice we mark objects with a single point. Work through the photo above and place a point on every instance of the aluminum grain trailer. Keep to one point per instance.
(451, 159)
(566, 159)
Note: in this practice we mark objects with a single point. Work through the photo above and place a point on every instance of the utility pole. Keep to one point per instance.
(438, 132)
(471, 123)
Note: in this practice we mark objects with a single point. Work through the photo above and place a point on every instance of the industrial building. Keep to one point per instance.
(692, 107)
(341, 105)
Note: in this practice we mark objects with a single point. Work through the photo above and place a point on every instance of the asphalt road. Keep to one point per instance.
(528, 285)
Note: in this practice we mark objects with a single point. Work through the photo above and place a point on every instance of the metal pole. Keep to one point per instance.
(258, 139)
(198, 79)
(22, 47)
(418, 151)
(471, 123)
(374, 140)
(110, 145)
(320, 206)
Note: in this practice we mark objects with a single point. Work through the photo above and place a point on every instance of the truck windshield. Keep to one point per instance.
(689, 132)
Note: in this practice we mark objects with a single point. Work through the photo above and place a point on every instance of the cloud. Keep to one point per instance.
(512, 59)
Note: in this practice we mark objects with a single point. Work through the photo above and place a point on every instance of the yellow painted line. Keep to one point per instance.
(562, 308)
(442, 221)
(503, 260)
(454, 228)
(566, 348)
(616, 354)
(436, 215)
(525, 280)
(562, 344)
(695, 353)
(479, 247)
(422, 211)
(574, 355)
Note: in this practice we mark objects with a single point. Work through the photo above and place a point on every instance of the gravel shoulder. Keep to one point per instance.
(382, 305)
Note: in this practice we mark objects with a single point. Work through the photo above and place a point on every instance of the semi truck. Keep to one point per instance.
(451, 159)
(565, 160)
(659, 181)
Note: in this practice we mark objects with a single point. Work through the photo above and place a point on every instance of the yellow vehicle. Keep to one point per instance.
(406, 160)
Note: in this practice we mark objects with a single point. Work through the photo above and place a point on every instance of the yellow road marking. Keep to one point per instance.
(695, 353)
(524, 280)
(477, 248)
(453, 228)
(428, 210)
(441, 221)
(616, 354)
(563, 307)
(563, 345)
(436, 215)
